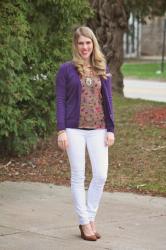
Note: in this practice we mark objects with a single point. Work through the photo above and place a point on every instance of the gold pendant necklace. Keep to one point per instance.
(89, 74)
(89, 81)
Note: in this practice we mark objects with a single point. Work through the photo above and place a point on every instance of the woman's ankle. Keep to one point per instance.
(93, 226)
(87, 229)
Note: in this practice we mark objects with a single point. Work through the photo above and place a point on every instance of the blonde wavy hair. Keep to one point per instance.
(97, 59)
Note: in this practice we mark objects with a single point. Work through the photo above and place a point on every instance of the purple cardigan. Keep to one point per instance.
(68, 98)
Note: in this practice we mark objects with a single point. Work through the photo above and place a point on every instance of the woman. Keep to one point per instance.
(85, 119)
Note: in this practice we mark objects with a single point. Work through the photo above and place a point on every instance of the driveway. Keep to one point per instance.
(145, 89)
(37, 216)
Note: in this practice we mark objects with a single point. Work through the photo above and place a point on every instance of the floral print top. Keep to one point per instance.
(91, 109)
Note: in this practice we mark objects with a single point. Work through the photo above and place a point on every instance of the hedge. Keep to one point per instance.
(35, 38)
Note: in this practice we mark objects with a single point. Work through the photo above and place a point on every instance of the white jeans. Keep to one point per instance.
(78, 139)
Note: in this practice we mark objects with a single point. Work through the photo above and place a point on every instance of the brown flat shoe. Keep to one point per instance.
(86, 237)
(98, 236)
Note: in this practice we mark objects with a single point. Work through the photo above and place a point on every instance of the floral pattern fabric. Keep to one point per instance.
(91, 110)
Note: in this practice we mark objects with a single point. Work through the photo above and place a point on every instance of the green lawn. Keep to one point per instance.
(144, 70)
(138, 158)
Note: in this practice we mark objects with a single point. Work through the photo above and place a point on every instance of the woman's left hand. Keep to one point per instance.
(109, 139)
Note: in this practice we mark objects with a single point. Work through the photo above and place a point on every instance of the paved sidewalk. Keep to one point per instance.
(36, 216)
(145, 89)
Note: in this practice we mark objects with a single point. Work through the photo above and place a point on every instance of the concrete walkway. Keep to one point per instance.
(36, 216)
(145, 89)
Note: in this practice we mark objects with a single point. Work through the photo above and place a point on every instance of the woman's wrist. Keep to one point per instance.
(61, 132)
(110, 132)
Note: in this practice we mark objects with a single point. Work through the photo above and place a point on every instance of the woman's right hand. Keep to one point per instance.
(62, 140)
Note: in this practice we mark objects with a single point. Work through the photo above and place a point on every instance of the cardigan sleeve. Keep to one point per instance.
(110, 119)
(60, 95)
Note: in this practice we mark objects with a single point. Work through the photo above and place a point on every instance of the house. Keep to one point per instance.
(145, 39)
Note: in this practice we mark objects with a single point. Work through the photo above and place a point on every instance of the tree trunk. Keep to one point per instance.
(109, 25)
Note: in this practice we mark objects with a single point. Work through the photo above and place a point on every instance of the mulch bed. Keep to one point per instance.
(152, 116)
(45, 164)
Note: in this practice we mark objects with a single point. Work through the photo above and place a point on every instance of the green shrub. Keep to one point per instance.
(35, 38)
